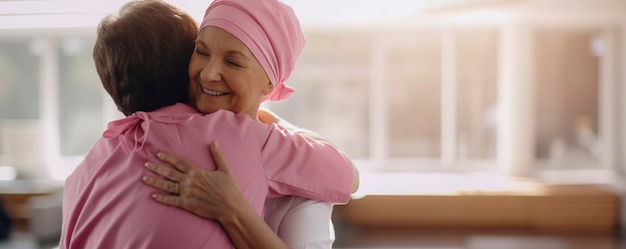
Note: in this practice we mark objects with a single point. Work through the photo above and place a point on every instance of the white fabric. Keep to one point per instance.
(302, 223)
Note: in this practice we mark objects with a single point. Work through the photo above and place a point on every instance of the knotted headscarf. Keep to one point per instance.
(270, 29)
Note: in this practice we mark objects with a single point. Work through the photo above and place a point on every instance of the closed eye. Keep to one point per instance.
(200, 52)
(233, 63)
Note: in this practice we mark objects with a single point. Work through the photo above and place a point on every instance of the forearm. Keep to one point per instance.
(248, 230)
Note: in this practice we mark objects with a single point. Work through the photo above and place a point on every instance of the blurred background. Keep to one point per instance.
(468, 103)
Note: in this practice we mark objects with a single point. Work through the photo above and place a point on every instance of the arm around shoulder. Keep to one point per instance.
(325, 154)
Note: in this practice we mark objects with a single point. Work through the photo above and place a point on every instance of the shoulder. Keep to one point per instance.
(178, 108)
(227, 117)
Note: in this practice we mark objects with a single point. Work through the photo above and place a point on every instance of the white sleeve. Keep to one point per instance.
(302, 223)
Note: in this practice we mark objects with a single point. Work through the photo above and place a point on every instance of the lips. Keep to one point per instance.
(212, 93)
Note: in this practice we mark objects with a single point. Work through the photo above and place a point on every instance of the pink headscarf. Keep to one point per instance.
(270, 29)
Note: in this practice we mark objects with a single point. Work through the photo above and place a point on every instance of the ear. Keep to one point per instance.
(268, 88)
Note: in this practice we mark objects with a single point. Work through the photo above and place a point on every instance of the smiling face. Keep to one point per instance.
(225, 75)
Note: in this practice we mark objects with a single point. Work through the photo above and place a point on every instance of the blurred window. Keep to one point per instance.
(401, 99)
(477, 79)
(80, 97)
(332, 91)
(567, 99)
(51, 103)
(20, 90)
(378, 95)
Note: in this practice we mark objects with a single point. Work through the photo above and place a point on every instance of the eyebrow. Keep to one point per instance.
(228, 52)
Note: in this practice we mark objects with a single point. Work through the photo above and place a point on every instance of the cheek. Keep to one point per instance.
(193, 72)
(241, 98)
(244, 100)
(250, 93)
(195, 67)
(193, 87)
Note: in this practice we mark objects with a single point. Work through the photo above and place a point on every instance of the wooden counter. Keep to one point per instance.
(530, 206)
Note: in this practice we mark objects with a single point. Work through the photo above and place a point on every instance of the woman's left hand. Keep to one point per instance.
(208, 194)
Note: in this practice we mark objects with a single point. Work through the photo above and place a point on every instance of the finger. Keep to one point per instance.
(165, 171)
(170, 200)
(180, 163)
(220, 162)
(162, 184)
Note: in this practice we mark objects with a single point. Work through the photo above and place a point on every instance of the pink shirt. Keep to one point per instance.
(106, 205)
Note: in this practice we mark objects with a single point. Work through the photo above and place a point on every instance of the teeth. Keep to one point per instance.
(214, 93)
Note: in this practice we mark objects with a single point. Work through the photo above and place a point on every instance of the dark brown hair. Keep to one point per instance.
(142, 55)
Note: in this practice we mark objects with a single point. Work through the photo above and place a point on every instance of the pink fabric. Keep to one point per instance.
(270, 29)
(106, 205)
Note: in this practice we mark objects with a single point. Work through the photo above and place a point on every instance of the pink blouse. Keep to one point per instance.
(106, 205)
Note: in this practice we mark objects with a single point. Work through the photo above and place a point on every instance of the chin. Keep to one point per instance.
(207, 109)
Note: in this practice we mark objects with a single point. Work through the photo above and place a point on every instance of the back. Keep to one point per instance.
(106, 205)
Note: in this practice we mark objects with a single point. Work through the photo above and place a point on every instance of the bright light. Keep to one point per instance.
(478, 17)
(333, 11)
(7, 173)
(72, 13)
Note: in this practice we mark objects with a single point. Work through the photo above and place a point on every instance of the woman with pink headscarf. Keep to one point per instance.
(142, 55)
(245, 52)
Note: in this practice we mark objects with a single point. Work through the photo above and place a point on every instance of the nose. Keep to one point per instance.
(211, 72)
